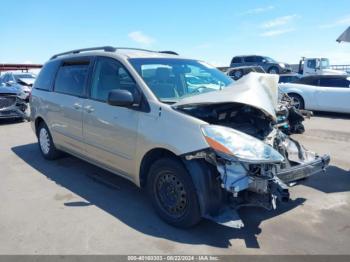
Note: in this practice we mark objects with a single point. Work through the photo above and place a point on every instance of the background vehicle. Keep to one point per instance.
(267, 63)
(12, 103)
(289, 78)
(317, 66)
(237, 72)
(201, 151)
(18, 80)
(320, 92)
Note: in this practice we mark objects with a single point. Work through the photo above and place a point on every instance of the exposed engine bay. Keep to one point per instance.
(245, 122)
(256, 184)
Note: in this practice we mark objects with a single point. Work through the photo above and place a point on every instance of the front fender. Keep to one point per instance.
(209, 191)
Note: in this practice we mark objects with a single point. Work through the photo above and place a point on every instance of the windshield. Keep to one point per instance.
(324, 63)
(173, 79)
(269, 59)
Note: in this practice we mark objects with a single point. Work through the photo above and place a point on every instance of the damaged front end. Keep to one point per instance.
(289, 118)
(255, 161)
(12, 106)
(252, 172)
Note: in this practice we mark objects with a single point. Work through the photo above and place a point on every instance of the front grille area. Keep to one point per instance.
(7, 101)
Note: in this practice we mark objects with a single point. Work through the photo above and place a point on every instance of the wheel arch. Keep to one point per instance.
(203, 175)
(149, 158)
(298, 94)
(38, 120)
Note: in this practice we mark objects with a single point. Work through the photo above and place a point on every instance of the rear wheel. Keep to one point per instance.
(46, 145)
(297, 101)
(173, 194)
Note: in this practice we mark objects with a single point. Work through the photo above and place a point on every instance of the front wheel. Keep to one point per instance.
(273, 70)
(173, 194)
(238, 74)
(46, 145)
(297, 101)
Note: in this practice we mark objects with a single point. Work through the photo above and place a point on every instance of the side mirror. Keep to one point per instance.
(264, 60)
(119, 97)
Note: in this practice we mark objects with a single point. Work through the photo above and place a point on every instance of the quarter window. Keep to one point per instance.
(71, 78)
(46, 76)
(110, 74)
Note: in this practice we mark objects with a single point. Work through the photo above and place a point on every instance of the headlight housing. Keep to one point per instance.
(23, 95)
(282, 65)
(234, 144)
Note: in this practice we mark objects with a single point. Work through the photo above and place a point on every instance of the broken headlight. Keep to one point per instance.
(235, 144)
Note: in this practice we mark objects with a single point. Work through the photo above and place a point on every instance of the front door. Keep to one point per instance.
(110, 132)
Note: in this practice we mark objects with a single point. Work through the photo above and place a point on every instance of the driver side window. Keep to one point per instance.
(110, 74)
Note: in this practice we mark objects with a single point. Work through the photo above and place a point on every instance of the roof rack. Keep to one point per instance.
(109, 49)
(77, 51)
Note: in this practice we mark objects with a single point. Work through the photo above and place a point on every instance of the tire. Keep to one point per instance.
(45, 142)
(173, 194)
(273, 70)
(238, 74)
(298, 101)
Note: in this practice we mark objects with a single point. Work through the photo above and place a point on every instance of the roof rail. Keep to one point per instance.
(77, 51)
(109, 49)
(133, 48)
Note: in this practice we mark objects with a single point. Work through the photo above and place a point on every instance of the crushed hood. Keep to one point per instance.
(27, 81)
(255, 89)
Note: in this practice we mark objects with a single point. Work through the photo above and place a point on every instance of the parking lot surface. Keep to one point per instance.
(71, 207)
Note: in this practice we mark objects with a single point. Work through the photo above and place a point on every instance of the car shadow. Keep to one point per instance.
(333, 181)
(332, 115)
(11, 121)
(129, 204)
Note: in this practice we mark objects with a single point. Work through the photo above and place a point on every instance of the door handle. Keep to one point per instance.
(89, 109)
(77, 106)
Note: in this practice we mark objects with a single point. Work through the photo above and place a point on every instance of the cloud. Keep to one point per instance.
(279, 21)
(276, 32)
(141, 38)
(258, 10)
(344, 21)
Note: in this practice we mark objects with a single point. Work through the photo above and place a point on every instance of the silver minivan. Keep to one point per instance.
(201, 145)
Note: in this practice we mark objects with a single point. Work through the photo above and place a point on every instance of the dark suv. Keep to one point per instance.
(267, 63)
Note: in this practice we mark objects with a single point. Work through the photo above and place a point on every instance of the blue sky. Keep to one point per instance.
(33, 30)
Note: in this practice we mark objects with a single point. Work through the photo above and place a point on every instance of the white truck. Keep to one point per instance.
(317, 66)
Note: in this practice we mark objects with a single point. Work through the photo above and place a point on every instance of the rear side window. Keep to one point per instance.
(71, 78)
(236, 59)
(335, 82)
(250, 59)
(46, 76)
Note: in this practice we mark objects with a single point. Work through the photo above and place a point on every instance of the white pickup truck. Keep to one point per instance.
(317, 66)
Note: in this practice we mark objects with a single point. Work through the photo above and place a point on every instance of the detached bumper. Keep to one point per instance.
(304, 170)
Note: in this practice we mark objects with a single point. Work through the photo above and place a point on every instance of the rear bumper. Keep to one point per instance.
(304, 170)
